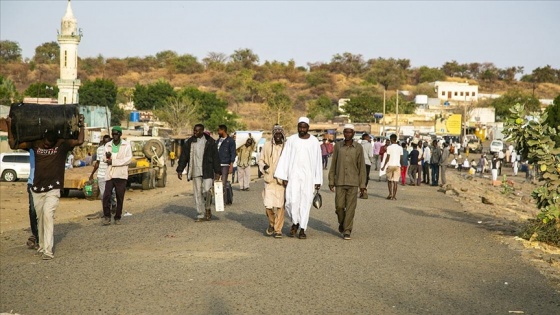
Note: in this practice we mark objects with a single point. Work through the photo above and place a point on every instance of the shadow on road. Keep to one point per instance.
(487, 222)
(255, 222)
(61, 230)
(189, 212)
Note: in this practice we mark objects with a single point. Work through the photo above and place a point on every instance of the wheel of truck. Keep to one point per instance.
(146, 180)
(152, 178)
(163, 179)
(156, 145)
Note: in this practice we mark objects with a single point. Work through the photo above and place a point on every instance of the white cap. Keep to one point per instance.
(303, 120)
(349, 126)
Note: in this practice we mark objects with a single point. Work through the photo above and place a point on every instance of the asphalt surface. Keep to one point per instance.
(420, 254)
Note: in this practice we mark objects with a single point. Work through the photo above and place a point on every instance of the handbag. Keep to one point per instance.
(317, 200)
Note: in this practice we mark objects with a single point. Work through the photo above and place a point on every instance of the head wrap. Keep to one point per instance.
(349, 126)
(117, 129)
(303, 120)
(278, 129)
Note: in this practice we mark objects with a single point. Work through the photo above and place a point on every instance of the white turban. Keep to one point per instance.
(349, 126)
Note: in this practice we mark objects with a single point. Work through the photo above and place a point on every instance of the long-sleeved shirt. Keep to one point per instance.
(348, 166)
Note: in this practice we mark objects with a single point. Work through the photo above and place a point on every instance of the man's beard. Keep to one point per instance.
(302, 133)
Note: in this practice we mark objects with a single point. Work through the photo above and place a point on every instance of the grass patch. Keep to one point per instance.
(536, 230)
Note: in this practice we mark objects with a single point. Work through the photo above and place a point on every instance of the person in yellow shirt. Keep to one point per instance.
(172, 158)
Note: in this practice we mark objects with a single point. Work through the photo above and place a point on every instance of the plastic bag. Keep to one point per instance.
(317, 200)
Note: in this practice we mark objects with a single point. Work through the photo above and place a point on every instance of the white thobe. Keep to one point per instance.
(300, 164)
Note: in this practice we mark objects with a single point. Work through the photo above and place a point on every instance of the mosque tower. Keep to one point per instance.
(68, 38)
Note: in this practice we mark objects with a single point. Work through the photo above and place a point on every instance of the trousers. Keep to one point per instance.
(345, 200)
(32, 214)
(276, 218)
(202, 195)
(119, 184)
(45, 206)
(244, 176)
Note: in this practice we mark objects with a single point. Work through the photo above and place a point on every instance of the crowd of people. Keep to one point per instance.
(292, 168)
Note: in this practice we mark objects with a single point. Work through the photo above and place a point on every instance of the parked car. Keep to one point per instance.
(14, 166)
(496, 146)
(475, 145)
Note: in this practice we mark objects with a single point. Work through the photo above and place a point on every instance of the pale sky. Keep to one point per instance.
(507, 33)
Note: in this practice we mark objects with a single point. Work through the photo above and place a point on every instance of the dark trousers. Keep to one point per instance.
(426, 176)
(368, 168)
(120, 188)
(172, 162)
(345, 200)
(32, 215)
(224, 178)
(325, 161)
(435, 174)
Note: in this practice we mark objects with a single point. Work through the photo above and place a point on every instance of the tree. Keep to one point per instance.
(279, 104)
(361, 108)
(427, 74)
(319, 77)
(243, 58)
(47, 53)
(215, 61)
(178, 112)
(187, 64)
(553, 118)
(8, 92)
(323, 108)
(454, 69)
(390, 73)
(9, 51)
(503, 103)
(545, 74)
(348, 64)
(211, 110)
(41, 89)
(165, 59)
(152, 96)
(101, 92)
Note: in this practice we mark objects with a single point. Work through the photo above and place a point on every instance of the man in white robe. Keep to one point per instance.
(300, 167)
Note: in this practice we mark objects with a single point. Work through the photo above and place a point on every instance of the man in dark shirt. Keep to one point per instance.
(50, 159)
(413, 167)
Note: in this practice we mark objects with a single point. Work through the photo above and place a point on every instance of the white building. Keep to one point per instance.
(68, 38)
(455, 92)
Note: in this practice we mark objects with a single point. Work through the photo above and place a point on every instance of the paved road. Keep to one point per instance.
(418, 255)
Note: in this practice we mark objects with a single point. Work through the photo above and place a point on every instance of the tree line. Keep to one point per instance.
(282, 87)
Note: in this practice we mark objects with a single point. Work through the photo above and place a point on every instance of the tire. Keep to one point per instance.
(146, 179)
(159, 148)
(9, 176)
(163, 180)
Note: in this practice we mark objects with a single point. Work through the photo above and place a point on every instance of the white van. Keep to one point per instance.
(496, 146)
(14, 166)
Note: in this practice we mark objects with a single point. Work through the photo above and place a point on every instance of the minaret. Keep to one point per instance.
(68, 39)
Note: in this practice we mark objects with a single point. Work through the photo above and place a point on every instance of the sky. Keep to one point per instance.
(428, 33)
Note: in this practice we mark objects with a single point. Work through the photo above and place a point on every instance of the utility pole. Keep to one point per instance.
(384, 111)
(397, 116)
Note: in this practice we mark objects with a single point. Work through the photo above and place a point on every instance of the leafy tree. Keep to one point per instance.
(8, 92)
(178, 112)
(9, 51)
(187, 64)
(211, 110)
(41, 89)
(553, 118)
(47, 53)
(454, 69)
(166, 58)
(503, 103)
(139, 65)
(279, 103)
(427, 74)
(316, 78)
(390, 73)
(348, 64)
(243, 58)
(508, 74)
(152, 96)
(361, 108)
(117, 116)
(323, 108)
(101, 92)
(546, 74)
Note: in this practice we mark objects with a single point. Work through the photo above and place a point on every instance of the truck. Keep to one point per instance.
(147, 168)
